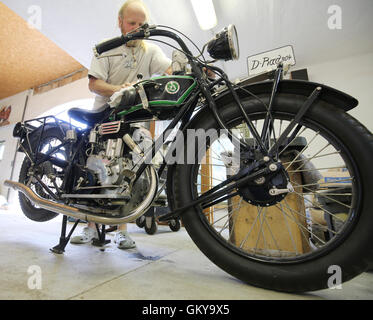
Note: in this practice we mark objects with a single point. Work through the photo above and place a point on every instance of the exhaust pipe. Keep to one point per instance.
(86, 215)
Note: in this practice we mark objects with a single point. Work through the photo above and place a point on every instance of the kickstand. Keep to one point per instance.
(101, 241)
(60, 248)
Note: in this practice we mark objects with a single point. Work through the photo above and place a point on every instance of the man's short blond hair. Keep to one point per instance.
(125, 5)
(123, 9)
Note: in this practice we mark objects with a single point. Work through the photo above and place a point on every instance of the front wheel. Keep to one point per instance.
(290, 242)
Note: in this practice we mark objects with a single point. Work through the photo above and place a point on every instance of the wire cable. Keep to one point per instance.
(198, 49)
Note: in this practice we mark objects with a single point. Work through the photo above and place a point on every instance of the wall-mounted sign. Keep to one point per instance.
(4, 115)
(269, 60)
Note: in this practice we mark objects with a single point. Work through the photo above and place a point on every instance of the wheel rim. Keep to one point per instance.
(54, 177)
(313, 238)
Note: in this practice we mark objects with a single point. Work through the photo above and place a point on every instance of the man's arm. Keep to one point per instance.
(103, 88)
(169, 70)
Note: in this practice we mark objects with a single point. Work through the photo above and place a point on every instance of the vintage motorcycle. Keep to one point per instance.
(278, 200)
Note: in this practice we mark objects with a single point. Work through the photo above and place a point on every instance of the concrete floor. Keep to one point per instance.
(166, 265)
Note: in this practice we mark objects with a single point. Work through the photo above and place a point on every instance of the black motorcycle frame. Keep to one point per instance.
(203, 89)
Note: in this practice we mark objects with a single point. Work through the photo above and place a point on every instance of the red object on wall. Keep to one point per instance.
(4, 115)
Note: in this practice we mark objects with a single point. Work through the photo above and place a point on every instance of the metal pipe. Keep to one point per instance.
(29, 92)
(86, 215)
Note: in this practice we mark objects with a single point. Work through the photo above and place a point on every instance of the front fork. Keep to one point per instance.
(268, 165)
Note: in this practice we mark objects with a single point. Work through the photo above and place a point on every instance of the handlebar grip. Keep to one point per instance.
(109, 44)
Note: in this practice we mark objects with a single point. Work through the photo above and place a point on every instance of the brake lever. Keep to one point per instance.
(145, 27)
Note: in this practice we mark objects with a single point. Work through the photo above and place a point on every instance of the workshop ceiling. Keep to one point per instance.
(27, 57)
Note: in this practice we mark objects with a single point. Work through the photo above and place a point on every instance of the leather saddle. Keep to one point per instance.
(90, 117)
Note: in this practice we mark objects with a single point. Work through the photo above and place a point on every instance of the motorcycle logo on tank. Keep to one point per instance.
(172, 87)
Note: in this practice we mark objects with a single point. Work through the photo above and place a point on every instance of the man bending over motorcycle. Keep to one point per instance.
(120, 69)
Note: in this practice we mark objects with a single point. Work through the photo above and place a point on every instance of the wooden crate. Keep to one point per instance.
(275, 230)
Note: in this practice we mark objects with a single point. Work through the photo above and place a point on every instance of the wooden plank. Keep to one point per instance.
(274, 230)
(206, 182)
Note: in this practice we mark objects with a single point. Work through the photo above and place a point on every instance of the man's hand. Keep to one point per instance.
(169, 71)
(210, 74)
(103, 88)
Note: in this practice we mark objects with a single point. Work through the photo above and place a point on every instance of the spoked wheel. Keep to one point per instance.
(46, 173)
(281, 240)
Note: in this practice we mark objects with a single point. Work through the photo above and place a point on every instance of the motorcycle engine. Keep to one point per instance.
(114, 163)
(109, 165)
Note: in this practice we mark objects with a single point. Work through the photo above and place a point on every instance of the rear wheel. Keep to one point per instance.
(289, 242)
(49, 174)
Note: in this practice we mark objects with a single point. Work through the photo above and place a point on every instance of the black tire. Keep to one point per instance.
(140, 222)
(30, 211)
(352, 250)
(152, 229)
(174, 225)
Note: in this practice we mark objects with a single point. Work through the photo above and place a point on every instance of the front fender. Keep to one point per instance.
(328, 94)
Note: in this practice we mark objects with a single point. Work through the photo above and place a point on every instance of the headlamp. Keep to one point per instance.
(225, 45)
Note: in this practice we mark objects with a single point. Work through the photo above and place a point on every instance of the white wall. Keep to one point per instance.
(353, 75)
(76, 26)
(17, 102)
(37, 105)
(41, 103)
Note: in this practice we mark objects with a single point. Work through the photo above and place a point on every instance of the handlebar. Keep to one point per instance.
(144, 33)
(109, 44)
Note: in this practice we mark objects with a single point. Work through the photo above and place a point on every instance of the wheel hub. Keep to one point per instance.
(269, 189)
(262, 194)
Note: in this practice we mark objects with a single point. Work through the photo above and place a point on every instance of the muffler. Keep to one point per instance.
(86, 215)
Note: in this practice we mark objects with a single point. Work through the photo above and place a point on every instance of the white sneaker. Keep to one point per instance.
(87, 235)
(124, 241)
